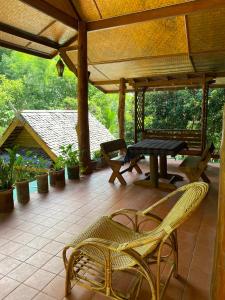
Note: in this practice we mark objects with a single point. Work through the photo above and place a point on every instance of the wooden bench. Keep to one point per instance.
(191, 137)
(194, 166)
(116, 163)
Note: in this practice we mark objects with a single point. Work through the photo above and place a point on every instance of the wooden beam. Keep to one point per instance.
(69, 48)
(75, 10)
(68, 62)
(25, 50)
(158, 13)
(15, 123)
(121, 108)
(106, 82)
(53, 12)
(28, 36)
(170, 83)
(83, 124)
(218, 274)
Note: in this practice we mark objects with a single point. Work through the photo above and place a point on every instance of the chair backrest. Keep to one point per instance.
(113, 146)
(190, 199)
(209, 149)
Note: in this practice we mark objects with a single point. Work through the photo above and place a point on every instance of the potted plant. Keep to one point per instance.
(97, 157)
(22, 177)
(71, 158)
(42, 175)
(6, 181)
(57, 173)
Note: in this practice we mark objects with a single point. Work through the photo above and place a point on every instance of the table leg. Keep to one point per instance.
(163, 166)
(154, 178)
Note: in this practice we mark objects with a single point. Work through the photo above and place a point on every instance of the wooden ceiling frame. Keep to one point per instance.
(19, 48)
(53, 12)
(171, 82)
(157, 13)
(28, 36)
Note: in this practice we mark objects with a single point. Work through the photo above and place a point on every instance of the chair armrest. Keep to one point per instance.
(129, 213)
(113, 246)
(126, 211)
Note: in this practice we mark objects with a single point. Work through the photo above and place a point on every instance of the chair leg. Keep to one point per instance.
(112, 177)
(205, 177)
(137, 168)
(116, 174)
(121, 179)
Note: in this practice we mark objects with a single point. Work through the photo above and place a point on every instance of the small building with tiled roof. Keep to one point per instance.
(47, 130)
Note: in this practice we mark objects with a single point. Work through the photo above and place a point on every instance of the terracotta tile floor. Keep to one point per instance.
(32, 237)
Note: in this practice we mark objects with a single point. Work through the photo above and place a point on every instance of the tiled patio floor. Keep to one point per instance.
(32, 237)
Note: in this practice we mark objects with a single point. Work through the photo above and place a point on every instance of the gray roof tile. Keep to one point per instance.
(57, 128)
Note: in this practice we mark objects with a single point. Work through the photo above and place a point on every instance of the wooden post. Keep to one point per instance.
(83, 124)
(218, 276)
(205, 94)
(121, 108)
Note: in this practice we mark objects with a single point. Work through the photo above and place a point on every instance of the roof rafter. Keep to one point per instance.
(53, 12)
(158, 13)
(25, 50)
(28, 36)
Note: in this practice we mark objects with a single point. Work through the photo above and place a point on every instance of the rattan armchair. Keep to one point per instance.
(108, 247)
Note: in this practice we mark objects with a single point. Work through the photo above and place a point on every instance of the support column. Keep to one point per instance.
(218, 275)
(83, 124)
(121, 109)
(205, 95)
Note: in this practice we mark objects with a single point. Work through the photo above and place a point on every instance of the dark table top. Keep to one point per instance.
(157, 147)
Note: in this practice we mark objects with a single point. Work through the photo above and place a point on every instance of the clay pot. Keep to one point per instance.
(6, 201)
(22, 192)
(57, 178)
(42, 183)
(73, 172)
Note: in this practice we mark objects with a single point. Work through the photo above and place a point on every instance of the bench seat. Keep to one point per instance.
(194, 166)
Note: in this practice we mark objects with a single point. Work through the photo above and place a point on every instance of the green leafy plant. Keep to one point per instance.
(97, 155)
(23, 167)
(59, 163)
(7, 169)
(41, 165)
(71, 157)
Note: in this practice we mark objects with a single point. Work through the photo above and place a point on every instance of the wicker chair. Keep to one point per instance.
(107, 248)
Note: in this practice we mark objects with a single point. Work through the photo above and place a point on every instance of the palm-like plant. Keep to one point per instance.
(7, 169)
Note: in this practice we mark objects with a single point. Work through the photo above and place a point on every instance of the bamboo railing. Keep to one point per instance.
(218, 276)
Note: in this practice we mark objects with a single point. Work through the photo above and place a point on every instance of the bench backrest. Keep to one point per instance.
(113, 146)
(191, 137)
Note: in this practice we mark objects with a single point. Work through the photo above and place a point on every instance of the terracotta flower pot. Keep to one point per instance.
(22, 192)
(52, 178)
(6, 201)
(57, 178)
(73, 172)
(42, 183)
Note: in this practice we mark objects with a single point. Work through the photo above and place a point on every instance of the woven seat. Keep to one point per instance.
(107, 247)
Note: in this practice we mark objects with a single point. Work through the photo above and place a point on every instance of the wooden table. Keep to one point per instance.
(155, 148)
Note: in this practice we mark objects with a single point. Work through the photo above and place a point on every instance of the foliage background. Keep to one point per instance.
(28, 82)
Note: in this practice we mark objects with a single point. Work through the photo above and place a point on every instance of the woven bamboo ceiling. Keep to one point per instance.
(139, 40)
